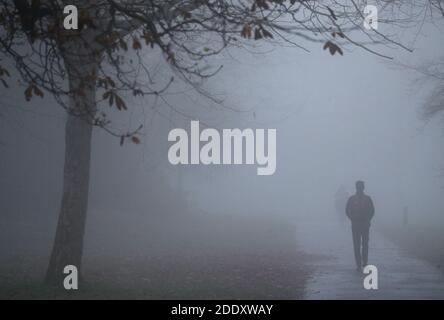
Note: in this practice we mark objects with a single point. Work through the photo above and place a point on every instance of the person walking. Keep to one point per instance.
(360, 210)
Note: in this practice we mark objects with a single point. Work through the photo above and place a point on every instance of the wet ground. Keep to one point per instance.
(400, 276)
(229, 258)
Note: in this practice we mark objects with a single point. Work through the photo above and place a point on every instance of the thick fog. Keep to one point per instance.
(338, 119)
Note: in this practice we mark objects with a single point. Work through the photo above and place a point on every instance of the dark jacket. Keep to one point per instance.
(360, 208)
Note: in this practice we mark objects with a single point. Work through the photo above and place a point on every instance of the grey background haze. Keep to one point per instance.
(338, 119)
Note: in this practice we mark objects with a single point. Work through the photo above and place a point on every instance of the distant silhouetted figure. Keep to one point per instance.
(405, 217)
(360, 211)
(341, 198)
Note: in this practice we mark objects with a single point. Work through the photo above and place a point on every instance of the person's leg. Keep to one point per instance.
(357, 245)
(365, 239)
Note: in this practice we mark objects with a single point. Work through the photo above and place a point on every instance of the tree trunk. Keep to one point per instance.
(68, 243)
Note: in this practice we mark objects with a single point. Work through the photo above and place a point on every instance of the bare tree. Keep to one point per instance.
(89, 68)
(431, 72)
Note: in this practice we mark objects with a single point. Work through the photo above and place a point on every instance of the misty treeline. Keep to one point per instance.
(104, 62)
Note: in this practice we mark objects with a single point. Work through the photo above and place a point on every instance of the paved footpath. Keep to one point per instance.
(400, 275)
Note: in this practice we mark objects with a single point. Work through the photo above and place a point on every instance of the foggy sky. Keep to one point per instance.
(338, 119)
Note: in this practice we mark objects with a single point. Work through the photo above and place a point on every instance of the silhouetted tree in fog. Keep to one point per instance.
(91, 69)
(432, 71)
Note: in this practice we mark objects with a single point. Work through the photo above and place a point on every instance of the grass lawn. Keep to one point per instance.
(224, 258)
(424, 242)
